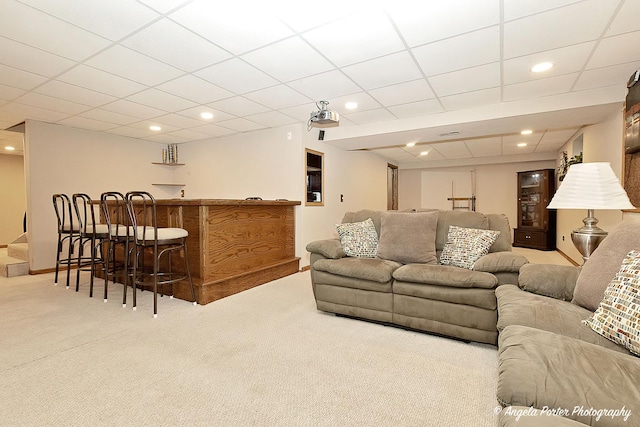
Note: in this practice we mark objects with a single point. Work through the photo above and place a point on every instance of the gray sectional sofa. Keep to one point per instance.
(549, 359)
(402, 287)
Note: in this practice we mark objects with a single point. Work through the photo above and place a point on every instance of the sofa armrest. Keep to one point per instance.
(500, 262)
(555, 281)
(329, 248)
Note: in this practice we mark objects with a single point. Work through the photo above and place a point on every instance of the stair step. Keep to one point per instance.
(18, 250)
(12, 267)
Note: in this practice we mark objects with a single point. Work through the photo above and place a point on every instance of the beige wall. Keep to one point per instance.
(13, 196)
(496, 187)
(268, 164)
(602, 142)
(60, 159)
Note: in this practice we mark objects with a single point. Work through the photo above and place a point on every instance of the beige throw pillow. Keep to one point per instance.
(618, 315)
(604, 263)
(466, 245)
(408, 237)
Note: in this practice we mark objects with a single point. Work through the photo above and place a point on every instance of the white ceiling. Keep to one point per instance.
(417, 69)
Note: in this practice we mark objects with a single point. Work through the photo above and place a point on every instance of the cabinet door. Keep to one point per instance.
(531, 209)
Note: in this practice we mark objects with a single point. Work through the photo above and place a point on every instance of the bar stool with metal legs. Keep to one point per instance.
(92, 235)
(116, 216)
(68, 233)
(163, 244)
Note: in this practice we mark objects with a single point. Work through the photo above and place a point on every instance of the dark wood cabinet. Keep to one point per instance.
(536, 224)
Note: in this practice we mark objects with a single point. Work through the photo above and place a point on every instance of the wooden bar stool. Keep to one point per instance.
(162, 242)
(92, 235)
(68, 233)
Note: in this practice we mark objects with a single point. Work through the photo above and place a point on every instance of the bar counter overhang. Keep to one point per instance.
(233, 245)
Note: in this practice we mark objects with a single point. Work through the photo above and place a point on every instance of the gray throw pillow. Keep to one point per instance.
(408, 237)
(604, 263)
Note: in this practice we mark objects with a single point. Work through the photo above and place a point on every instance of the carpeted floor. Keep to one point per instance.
(265, 357)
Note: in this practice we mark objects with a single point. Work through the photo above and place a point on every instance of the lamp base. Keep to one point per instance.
(587, 238)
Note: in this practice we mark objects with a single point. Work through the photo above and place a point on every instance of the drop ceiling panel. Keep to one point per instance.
(170, 43)
(416, 109)
(514, 9)
(86, 123)
(356, 38)
(108, 18)
(8, 93)
(178, 121)
(194, 113)
(542, 87)
(132, 65)
(626, 20)
(161, 100)
(397, 154)
(237, 76)
(468, 80)
(452, 150)
(566, 60)
(195, 89)
(51, 103)
(485, 147)
(109, 116)
(62, 90)
(615, 50)
(277, 97)
(213, 130)
(239, 106)
(524, 36)
(423, 22)
(241, 125)
(100, 81)
(363, 99)
(606, 76)
(288, 60)
(375, 72)
(133, 109)
(272, 119)
(403, 93)
(70, 42)
(27, 58)
(34, 112)
(20, 79)
(480, 47)
(234, 26)
(472, 99)
(326, 85)
(370, 116)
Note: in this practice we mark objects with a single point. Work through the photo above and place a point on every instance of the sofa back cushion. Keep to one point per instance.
(408, 237)
(363, 215)
(500, 222)
(604, 263)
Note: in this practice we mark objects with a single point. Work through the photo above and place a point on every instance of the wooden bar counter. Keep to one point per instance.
(233, 245)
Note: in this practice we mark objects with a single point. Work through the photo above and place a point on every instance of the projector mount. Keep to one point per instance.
(323, 118)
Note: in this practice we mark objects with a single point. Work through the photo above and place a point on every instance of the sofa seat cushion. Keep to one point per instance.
(445, 275)
(373, 269)
(542, 369)
(518, 307)
(476, 297)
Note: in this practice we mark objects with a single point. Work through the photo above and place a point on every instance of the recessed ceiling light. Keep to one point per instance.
(351, 105)
(9, 148)
(155, 128)
(522, 144)
(411, 144)
(206, 115)
(424, 153)
(526, 132)
(543, 66)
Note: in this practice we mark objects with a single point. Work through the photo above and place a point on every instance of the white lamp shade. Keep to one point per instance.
(590, 186)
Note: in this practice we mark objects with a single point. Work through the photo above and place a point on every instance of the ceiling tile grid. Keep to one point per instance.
(122, 65)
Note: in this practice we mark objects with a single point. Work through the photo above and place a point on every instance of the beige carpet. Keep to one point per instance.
(265, 357)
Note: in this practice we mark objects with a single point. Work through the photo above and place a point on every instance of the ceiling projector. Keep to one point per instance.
(324, 118)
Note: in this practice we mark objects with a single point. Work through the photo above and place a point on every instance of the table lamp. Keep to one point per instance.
(590, 186)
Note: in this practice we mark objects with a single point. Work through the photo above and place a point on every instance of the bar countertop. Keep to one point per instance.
(226, 202)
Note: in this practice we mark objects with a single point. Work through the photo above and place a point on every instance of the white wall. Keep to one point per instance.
(496, 187)
(60, 159)
(13, 196)
(602, 142)
(268, 164)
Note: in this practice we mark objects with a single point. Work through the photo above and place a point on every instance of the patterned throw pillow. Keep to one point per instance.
(617, 318)
(466, 245)
(359, 239)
